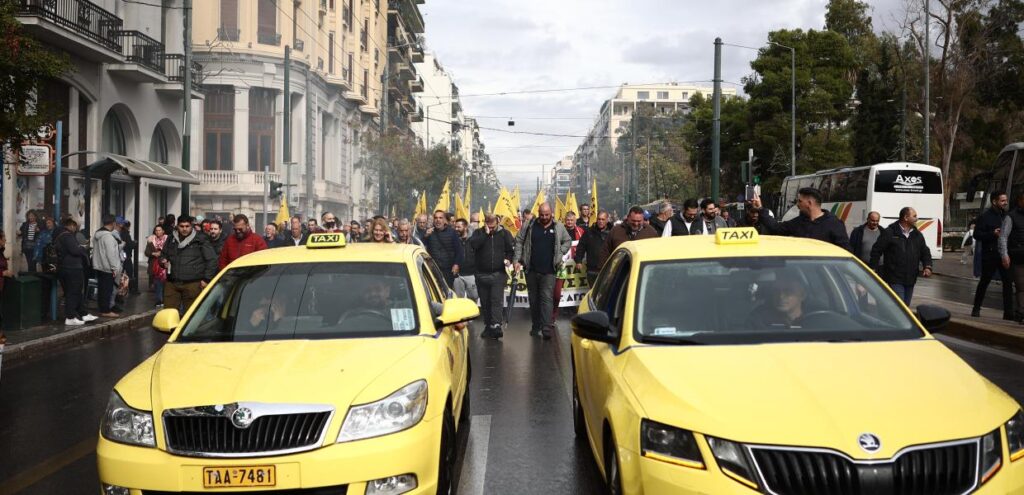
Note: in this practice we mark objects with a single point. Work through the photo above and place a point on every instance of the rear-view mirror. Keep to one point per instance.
(594, 325)
(934, 318)
(166, 320)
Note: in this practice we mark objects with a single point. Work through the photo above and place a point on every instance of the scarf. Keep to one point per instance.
(183, 243)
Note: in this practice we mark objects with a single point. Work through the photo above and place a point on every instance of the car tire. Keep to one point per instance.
(446, 463)
(466, 409)
(612, 469)
(579, 422)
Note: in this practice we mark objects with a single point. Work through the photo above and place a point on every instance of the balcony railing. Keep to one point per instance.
(174, 67)
(80, 16)
(140, 49)
(228, 34)
(268, 38)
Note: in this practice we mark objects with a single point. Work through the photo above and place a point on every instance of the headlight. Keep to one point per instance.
(670, 443)
(396, 412)
(733, 460)
(991, 455)
(126, 425)
(1015, 435)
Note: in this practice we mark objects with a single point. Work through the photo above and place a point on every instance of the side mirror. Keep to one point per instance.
(457, 310)
(934, 318)
(166, 320)
(594, 325)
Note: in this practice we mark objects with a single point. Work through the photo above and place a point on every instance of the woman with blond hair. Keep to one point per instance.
(379, 231)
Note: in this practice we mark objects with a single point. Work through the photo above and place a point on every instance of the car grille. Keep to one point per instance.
(327, 490)
(941, 470)
(216, 435)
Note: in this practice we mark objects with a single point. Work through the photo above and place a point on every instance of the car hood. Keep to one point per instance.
(818, 394)
(286, 371)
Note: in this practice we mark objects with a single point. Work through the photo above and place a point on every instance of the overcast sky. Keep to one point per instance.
(492, 46)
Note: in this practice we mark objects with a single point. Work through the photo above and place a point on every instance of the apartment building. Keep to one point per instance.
(438, 102)
(338, 51)
(560, 181)
(122, 112)
(405, 51)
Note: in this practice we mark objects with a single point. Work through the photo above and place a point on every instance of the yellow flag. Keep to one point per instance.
(504, 208)
(465, 199)
(421, 206)
(559, 210)
(461, 210)
(482, 214)
(444, 201)
(593, 201)
(282, 213)
(570, 204)
(516, 203)
(537, 202)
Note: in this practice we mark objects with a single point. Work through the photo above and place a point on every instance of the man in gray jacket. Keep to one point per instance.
(106, 262)
(540, 246)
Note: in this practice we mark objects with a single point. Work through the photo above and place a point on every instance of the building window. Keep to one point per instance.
(686, 96)
(266, 19)
(349, 70)
(113, 135)
(158, 147)
(662, 95)
(364, 36)
(261, 129)
(643, 95)
(330, 51)
(218, 128)
(366, 83)
(228, 20)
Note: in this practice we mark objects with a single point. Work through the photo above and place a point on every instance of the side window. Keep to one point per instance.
(604, 281)
(857, 185)
(619, 288)
(442, 285)
(434, 299)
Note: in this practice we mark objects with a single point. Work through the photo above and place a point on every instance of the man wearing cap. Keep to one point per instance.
(106, 262)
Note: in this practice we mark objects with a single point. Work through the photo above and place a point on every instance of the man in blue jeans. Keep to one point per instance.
(904, 252)
(540, 247)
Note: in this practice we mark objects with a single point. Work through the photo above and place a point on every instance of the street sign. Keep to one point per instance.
(35, 159)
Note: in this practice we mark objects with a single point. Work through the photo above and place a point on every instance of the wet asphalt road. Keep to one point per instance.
(520, 440)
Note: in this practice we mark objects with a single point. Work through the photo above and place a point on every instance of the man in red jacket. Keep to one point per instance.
(243, 242)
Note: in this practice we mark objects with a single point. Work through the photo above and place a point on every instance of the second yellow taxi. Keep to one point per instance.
(338, 368)
(734, 364)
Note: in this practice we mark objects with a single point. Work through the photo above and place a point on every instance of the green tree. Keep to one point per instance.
(26, 64)
(406, 170)
(876, 125)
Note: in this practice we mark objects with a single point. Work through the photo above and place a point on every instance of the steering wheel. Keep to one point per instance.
(822, 315)
(365, 313)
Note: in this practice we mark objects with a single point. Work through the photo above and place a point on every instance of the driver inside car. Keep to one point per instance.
(784, 307)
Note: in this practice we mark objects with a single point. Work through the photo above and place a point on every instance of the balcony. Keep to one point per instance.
(418, 115)
(174, 68)
(77, 26)
(228, 34)
(416, 85)
(411, 15)
(144, 57)
(417, 52)
(265, 38)
(230, 182)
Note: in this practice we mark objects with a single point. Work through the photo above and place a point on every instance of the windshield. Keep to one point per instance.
(305, 301)
(760, 300)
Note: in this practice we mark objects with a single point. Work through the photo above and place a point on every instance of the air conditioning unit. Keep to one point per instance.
(300, 45)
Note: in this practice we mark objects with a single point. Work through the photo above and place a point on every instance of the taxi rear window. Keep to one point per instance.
(305, 301)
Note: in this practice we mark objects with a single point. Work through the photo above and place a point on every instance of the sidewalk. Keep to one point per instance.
(54, 335)
(989, 328)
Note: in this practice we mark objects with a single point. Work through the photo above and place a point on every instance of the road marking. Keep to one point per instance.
(474, 459)
(48, 467)
(945, 339)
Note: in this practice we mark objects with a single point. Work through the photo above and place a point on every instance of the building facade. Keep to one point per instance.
(560, 181)
(338, 51)
(122, 101)
(405, 51)
(438, 102)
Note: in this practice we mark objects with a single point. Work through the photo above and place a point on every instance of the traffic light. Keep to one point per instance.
(275, 189)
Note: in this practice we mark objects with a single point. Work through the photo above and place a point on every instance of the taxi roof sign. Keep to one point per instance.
(739, 235)
(323, 240)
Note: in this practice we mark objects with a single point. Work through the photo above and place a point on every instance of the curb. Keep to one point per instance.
(25, 350)
(1005, 336)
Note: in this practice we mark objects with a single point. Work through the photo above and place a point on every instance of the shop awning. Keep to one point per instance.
(110, 163)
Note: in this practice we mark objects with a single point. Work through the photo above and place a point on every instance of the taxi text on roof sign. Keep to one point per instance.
(742, 235)
(326, 240)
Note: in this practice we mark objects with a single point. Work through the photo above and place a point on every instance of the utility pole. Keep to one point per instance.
(716, 122)
(385, 116)
(633, 186)
(648, 166)
(287, 127)
(186, 128)
(927, 84)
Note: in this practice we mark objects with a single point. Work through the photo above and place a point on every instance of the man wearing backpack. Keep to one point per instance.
(71, 261)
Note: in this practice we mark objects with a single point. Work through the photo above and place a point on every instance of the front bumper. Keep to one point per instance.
(414, 451)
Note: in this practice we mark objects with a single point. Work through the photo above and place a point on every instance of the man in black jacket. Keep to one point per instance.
(1011, 249)
(493, 249)
(589, 247)
(863, 238)
(465, 284)
(987, 228)
(445, 247)
(685, 222)
(813, 222)
(191, 264)
(905, 251)
(73, 259)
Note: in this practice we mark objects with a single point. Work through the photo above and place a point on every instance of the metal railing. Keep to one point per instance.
(80, 16)
(268, 38)
(228, 34)
(174, 68)
(140, 49)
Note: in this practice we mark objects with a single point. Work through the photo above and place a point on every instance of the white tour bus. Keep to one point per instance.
(850, 193)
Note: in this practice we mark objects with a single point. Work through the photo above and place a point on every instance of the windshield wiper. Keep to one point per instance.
(658, 339)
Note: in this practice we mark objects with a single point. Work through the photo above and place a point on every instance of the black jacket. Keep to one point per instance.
(194, 262)
(826, 228)
(71, 254)
(468, 266)
(658, 225)
(759, 226)
(904, 256)
(218, 243)
(446, 248)
(589, 247)
(492, 250)
(985, 232)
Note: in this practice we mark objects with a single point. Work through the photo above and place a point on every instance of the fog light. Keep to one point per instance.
(392, 485)
(114, 490)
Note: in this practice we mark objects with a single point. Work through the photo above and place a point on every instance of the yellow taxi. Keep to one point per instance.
(739, 364)
(326, 369)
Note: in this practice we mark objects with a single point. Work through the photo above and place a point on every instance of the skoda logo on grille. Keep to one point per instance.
(242, 417)
(869, 442)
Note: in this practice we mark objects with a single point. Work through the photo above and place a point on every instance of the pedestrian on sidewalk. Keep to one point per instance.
(905, 253)
(157, 272)
(73, 259)
(967, 245)
(493, 250)
(633, 229)
(106, 263)
(588, 251)
(190, 263)
(29, 235)
(863, 238)
(540, 246)
(242, 242)
(445, 246)
(1011, 251)
(988, 227)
